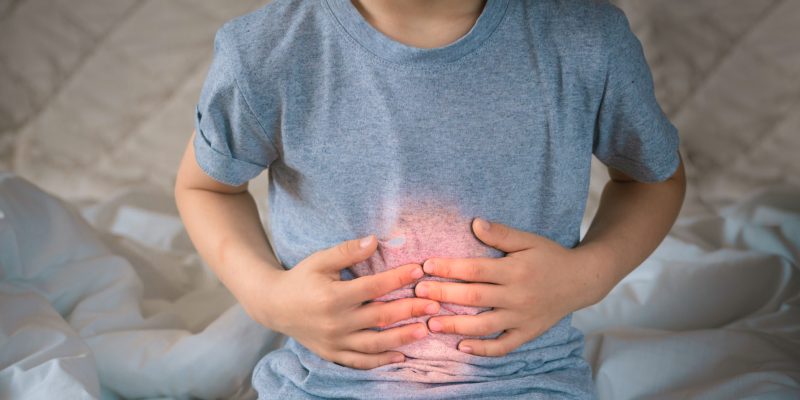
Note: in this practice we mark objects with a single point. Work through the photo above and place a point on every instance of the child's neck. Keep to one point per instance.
(421, 23)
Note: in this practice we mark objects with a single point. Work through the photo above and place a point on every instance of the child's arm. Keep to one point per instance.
(539, 281)
(308, 302)
(631, 220)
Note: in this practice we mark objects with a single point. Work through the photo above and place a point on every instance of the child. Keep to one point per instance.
(401, 122)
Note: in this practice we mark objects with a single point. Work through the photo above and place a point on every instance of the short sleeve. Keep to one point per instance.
(632, 133)
(231, 144)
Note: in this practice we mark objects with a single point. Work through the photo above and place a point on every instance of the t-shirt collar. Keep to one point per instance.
(387, 48)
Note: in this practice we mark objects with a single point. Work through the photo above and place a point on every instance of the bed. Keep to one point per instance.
(103, 296)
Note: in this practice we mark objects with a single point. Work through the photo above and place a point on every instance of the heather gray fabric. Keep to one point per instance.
(364, 135)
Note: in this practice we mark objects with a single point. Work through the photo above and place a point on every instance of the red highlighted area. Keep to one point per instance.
(424, 231)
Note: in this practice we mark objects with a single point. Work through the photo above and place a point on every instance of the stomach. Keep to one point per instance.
(421, 231)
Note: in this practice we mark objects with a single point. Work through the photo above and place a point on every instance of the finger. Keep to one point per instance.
(478, 269)
(509, 341)
(466, 294)
(382, 314)
(373, 342)
(342, 255)
(503, 237)
(373, 286)
(482, 324)
(358, 360)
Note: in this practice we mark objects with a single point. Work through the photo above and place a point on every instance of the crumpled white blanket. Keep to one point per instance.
(713, 313)
(126, 303)
(122, 305)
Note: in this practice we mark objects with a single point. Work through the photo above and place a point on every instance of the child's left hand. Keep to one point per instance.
(534, 286)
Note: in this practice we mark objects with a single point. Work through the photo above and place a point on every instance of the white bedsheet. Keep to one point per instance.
(140, 314)
(124, 302)
(713, 313)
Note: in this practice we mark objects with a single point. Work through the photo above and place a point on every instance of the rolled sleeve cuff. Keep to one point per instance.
(659, 161)
(653, 173)
(219, 166)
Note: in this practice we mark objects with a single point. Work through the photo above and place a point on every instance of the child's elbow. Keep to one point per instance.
(191, 177)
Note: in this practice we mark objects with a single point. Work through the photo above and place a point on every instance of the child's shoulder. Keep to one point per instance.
(577, 26)
(590, 13)
(272, 19)
(270, 33)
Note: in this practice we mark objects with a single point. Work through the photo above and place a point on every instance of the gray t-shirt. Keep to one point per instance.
(365, 135)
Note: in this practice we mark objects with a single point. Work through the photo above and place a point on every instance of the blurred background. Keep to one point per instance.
(97, 105)
(99, 95)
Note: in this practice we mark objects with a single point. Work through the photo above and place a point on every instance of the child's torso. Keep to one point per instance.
(414, 144)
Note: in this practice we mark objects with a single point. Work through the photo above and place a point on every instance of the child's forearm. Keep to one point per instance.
(226, 231)
(631, 221)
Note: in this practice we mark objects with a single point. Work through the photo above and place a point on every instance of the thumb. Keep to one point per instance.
(503, 237)
(343, 255)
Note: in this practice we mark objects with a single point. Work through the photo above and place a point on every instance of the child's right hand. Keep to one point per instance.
(328, 316)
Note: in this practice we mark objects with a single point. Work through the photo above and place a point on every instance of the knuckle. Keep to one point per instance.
(346, 249)
(528, 298)
(360, 363)
(399, 278)
(485, 328)
(372, 346)
(391, 280)
(474, 296)
(348, 361)
(329, 355)
(408, 336)
(412, 309)
(373, 288)
(341, 360)
(448, 324)
(383, 319)
(438, 291)
(502, 232)
(518, 300)
(417, 309)
(325, 355)
(329, 327)
(326, 300)
(517, 272)
(444, 269)
(475, 271)
(503, 348)
(525, 270)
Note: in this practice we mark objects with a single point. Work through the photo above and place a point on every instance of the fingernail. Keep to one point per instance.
(398, 358)
(428, 266)
(483, 224)
(435, 325)
(417, 273)
(466, 349)
(420, 333)
(432, 308)
(421, 290)
(364, 243)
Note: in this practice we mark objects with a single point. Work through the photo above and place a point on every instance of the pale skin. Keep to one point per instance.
(536, 284)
